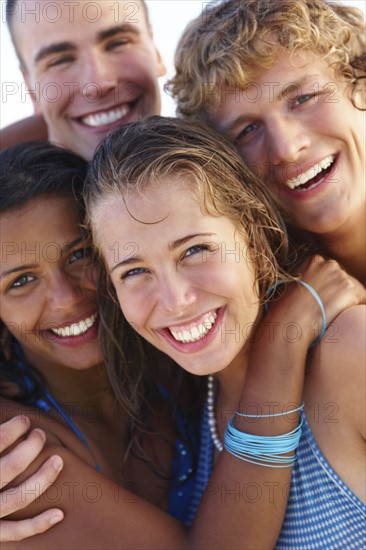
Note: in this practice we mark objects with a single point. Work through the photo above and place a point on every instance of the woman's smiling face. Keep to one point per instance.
(47, 292)
(183, 277)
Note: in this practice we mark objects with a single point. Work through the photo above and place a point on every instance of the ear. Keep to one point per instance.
(160, 65)
(161, 68)
(360, 94)
(32, 89)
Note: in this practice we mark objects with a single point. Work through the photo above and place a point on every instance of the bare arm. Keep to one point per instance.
(275, 378)
(336, 398)
(223, 521)
(29, 129)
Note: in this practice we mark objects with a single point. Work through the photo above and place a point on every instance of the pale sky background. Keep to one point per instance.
(168, 18)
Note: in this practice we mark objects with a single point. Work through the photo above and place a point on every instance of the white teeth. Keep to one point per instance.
(108, 117)
(194, 332)
(303, 178)
(75, 329)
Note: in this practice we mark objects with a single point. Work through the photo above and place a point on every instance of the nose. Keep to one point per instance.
(286, 140)
(98, 76)
(64, 292)
(176, 294)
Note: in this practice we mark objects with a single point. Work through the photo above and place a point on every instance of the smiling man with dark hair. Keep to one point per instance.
(89, 67)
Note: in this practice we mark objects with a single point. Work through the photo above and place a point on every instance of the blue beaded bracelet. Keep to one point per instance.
(317, 298)
(263, 450)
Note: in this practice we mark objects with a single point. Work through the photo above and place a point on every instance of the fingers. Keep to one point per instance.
(337, 289)
(11, 430)
(19, 530)
(19, 458)
(16, 498)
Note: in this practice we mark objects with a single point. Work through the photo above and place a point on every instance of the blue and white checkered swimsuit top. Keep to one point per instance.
(322, 512)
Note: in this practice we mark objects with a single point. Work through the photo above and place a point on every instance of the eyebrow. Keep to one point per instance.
(66, 248)
(172, 246)
(17, 269)
(118, 29)
(231, 125)
(61, 47)
(296, 84)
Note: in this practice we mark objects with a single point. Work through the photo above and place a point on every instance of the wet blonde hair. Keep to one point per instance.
(153, 152)
(234, 41)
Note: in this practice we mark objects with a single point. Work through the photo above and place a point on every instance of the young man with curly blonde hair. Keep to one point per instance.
(285, 81)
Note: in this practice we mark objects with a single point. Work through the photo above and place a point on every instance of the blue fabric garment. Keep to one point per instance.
(185, 497)
(189, 477)
(322, 512)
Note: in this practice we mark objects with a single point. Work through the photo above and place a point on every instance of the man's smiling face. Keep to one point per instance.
(305, 137)
(90, 67)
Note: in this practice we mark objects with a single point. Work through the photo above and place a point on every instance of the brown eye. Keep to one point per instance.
(22, 281)
(81, 254)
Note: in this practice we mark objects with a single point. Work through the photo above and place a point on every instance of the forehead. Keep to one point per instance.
(44, 219)
(152, 207)
(41, 20)
(288, 77)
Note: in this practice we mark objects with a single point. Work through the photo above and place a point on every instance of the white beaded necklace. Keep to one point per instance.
(211, 414)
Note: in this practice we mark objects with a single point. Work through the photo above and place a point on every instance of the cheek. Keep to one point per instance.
(143, 69)
(53, 95)
(225, 274)
(16, 310)
(21, 325)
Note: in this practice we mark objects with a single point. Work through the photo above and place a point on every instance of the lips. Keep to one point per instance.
(194, 331)
(75, 329)
(105, 118)
(78, 333)
(191, 337)
(313, 175)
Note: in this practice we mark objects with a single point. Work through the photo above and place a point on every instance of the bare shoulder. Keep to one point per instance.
(98, 513)
(338, 370)
(58, 434)
(346, 332)
(28, 129)
(343, 346)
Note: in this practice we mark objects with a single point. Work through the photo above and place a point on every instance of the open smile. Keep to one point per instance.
(193, 336)
(313, 176)
(75, 334)
(107, 118)
(75, 329)
(194, 331)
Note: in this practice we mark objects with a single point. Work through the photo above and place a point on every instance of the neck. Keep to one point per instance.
(348, 247)
(80, 389)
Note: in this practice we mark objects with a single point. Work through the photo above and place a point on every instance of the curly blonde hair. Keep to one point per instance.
(234, 41)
